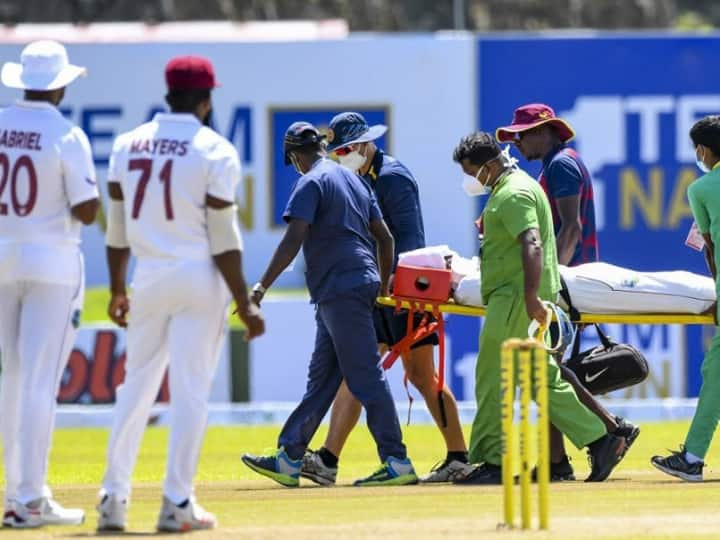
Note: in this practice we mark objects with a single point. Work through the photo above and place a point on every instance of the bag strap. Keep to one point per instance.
(606, 341)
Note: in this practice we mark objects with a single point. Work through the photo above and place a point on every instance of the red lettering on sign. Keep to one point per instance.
(100, 390)
(75, 378)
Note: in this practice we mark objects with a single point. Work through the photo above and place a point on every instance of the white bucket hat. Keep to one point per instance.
(43, 65)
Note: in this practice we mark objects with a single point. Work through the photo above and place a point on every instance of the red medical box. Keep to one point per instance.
(432, 284)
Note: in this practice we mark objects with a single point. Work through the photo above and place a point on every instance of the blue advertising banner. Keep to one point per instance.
(282, 177)
(631, 101)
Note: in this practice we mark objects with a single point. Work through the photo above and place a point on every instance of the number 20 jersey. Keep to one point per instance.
(46, 168)
(166, 167)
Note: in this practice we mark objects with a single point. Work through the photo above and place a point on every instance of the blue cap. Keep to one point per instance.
(351, 128)
(300, 134)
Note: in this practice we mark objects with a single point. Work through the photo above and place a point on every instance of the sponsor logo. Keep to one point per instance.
(590, 378)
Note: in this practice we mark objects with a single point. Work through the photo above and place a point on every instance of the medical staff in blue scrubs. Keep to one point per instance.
(353, 140)
(332, 213)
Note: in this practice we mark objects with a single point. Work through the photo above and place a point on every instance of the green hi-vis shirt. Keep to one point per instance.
(704, 197)
(517, 203)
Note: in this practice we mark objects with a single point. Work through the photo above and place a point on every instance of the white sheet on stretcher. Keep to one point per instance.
(438, 257)
(606, 288)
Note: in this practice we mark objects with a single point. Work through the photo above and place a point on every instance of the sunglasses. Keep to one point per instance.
(344, 151)
(532, 131)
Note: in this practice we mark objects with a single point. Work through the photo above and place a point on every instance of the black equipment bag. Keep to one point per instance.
(607, 367)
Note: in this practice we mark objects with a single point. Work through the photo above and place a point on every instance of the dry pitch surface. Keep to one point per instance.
(638, 502)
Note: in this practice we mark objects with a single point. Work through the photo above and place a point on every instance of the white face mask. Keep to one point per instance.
(353, 161)
(701, 164)
(473, 187)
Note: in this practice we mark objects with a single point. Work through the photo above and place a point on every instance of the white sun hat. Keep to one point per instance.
(43, 65)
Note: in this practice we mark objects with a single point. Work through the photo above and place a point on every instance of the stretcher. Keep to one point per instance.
(451, 307)
(593, 293)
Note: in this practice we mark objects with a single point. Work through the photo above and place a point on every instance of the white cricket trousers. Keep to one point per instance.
(176, 319)
(37, 334)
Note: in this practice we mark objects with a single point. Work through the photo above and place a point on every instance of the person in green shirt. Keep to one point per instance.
(704, 198)
(519, 271)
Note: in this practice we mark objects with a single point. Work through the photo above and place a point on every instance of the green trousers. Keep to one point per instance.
(505, 318)
(707, 413)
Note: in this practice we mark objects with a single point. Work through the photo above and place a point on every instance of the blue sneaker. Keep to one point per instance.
(676, 464)
(394, 472)
(279, 467)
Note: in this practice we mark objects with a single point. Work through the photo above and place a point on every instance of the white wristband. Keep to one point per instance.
(116, 234)
(223, 231)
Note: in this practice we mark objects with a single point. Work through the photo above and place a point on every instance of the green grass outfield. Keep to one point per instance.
(638, 502)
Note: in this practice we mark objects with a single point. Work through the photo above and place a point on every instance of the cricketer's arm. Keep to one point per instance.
(117, 261)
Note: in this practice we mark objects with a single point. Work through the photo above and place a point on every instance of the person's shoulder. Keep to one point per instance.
(520, 179)
(58, 126)
(393, 169)
(214, 145)
(706, 183)
(328, 169)
(71, 137)
(520, 184)
(567, 158)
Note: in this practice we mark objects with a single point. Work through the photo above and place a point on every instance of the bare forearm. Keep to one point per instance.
(286, 251)
(117, 259)
(532, 261)
(229, 265)
(385, 257)
(567, 240)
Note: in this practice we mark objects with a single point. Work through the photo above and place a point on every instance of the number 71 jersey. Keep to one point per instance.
(166, 168)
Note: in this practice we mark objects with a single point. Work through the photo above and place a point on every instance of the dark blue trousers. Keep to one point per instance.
(345, 346)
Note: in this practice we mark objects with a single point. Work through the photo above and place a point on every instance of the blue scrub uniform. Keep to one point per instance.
(343, 281)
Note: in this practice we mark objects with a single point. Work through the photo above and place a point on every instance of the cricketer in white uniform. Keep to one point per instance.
(172, 184)
(47, 191)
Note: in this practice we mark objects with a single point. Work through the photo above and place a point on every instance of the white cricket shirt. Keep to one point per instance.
(166, 168)
(46, 168)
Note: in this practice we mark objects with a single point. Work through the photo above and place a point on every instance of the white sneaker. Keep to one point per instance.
(8, 514)
(43, 511)
(446, 471)
(190, 517)
(112, 513)
(315, 469)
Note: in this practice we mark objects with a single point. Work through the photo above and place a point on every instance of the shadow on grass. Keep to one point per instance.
(679, 482)
(114, 533)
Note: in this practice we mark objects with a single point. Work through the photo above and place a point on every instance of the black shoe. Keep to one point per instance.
(627, 430)
(485, 474)
(604, 454)
(559, 472)
(676, 464)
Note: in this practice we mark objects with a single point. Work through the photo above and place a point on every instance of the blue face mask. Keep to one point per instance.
(701, 164)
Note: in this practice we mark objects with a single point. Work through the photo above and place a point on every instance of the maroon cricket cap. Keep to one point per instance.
(190, 73)
(530, 116)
